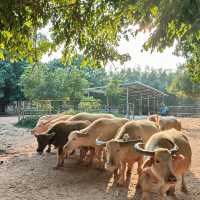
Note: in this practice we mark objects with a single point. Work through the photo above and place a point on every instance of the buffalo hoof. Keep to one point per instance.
(121, 183)
(138, 186)
(170, 192)
(184, 189)
(58, 166)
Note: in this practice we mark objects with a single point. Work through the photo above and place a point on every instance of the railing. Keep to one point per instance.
(185, 111)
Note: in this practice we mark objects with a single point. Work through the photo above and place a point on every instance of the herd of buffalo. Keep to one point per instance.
(161, 150)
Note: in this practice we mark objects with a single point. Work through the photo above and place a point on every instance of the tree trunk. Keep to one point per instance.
(3, 108)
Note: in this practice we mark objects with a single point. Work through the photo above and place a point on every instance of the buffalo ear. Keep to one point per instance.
(35, 134)
(79, 134)
(148, 163)
(178, 160)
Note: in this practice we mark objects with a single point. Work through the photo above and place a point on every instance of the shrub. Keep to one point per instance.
(71, 111)
(89, 104)
(28, 122)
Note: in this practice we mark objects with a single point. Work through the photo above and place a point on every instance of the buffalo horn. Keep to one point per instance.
(139, 149)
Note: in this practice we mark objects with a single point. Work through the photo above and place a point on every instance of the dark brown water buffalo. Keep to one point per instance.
(45, 122)
(58, 136)
(168, 156)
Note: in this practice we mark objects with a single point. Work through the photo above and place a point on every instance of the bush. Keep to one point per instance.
(28, 122)
(89, 104)
(71, 112)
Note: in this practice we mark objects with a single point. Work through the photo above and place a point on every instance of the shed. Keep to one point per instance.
(137, 96)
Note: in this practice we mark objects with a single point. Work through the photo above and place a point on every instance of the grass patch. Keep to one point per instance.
(28, 122)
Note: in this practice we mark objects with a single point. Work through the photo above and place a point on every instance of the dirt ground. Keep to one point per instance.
(25, 175)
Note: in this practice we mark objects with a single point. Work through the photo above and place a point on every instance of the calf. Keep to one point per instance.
(168, 156)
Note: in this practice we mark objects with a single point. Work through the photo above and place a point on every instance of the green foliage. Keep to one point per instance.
(71, 111)
(113, 92)
(41, 83)
(95, 27)
(157, 78)
(92, 26)
(28, 122)
(9, 82)
(89, 104)
(182, 85)
(76, 83)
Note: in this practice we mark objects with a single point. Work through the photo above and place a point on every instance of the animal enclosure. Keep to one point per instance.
(24, 172)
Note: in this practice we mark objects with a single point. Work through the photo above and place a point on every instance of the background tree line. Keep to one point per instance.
(55, 81)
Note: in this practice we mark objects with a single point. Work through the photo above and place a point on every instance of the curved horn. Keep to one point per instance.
(79, 134)
(100, 142)
(139, 149)
(129, 141)
(174, 148)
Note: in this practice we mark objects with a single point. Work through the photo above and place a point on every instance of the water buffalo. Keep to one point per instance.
(168, 156)
(166, 123)
(119, 150)
(58, 136)
(90, 116)
(45, 122)
(104, 129)
(46, 118)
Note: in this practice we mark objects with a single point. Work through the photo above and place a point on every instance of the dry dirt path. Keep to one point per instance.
(25, 175)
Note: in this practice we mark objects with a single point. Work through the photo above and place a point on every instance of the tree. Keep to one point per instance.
(89, 104)
(41, 83)
(95, 26)
(76, 83)
(92, 26)
(182, 85)
(9, 82)
(47, 83)
(113, 92)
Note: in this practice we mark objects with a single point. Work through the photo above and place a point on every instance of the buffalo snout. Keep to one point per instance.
(172, 179)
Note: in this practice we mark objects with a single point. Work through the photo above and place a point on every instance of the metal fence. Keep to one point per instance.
(185, 111)
(25, 108)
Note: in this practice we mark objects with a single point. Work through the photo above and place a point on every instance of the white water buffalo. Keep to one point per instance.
(119, 151)
(90, 116)
(168, 156)
(166, 123)
(104, 129)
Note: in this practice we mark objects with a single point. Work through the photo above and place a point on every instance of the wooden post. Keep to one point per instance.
(157, 106)
(148, 105)
(141, 105)
(127, 102)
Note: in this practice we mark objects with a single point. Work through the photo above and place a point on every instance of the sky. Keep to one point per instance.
(133, 47)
